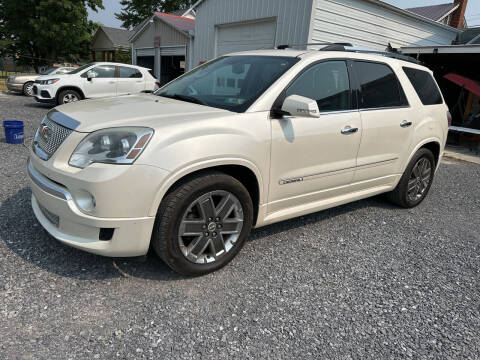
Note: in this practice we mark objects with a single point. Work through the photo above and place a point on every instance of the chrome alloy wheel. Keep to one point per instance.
(210, 226)
(419, 179)
(69, 98)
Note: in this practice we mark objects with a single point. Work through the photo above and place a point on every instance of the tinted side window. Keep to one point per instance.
(425, 86)
(379, 86)
(104, 71)
(128, 72)
(327, 83)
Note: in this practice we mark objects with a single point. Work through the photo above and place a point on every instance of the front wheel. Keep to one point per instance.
(416, 181)
(203, 223)
(68, 96)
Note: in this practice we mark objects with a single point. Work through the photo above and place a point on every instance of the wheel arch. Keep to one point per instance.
(432, 144)
(69, 87)
(244, 171)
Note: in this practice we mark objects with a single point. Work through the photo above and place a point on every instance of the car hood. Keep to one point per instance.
(54, 76)
(131, 110)
(26, 77)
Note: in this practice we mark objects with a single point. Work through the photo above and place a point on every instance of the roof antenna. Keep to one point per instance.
(391, 49)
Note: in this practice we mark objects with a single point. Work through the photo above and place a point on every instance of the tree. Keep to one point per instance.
(135, 11)
(45, 31)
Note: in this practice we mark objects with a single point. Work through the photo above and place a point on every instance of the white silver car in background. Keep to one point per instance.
(23, 83)
(95, 80)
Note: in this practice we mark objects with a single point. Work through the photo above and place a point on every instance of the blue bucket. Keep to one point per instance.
(13, 131)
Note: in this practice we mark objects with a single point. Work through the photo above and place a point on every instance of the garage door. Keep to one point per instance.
(243, 37)
(172, 50)
(145, 52)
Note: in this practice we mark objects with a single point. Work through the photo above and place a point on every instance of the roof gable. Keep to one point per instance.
(434, 12)
(118, 37)
(179, 22)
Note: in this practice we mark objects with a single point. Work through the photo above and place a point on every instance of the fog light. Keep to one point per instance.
(85, 201)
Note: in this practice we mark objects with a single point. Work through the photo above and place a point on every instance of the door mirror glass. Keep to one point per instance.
(297, 105)
(91, 74)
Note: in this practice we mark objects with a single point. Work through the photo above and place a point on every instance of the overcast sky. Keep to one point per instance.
(107, 17)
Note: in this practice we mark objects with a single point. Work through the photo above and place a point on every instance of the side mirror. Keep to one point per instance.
(297, 105)
(91, 74)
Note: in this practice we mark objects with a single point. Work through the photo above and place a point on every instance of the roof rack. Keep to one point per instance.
(386, 53)
(389, 52)
(288, 46)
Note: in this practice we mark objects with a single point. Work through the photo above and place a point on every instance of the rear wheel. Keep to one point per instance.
(68, 96)
(203, 223)
(416, 181)
(28, 88)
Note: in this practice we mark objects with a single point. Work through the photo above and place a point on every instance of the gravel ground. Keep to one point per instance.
(364, 280)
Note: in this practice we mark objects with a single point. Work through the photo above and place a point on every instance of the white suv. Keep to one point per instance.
(243, 141)
(93, 80)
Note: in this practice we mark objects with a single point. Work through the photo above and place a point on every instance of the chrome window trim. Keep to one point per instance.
(47, 185)
(338, 112)
(386, 108)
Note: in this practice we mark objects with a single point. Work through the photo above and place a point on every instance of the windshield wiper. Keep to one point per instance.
(185, 98)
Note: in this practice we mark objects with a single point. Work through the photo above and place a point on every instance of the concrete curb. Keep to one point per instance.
(462, 157)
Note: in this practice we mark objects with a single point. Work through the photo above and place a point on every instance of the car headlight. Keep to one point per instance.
(49, 81)
(112, 146)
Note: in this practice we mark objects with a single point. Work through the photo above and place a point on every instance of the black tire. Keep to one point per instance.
(172, 208)
(65, 93)
(28, 88)
(399, 195)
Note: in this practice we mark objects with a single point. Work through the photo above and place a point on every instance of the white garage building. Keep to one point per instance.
(162, 43)
(224, 26)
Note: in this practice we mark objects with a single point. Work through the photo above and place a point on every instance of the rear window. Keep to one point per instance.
(128, 72)
(379, 86)
(425, 86)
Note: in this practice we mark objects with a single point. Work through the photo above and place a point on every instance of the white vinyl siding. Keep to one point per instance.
(367, 24)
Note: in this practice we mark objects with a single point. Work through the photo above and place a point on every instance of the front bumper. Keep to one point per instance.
(43, 93)
(57, 211)
(15, 87)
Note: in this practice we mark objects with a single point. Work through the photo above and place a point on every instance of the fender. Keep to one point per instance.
(418, 146)
(69, 87)
(204, 164)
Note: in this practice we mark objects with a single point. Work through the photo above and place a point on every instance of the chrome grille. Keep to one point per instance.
(49, 137)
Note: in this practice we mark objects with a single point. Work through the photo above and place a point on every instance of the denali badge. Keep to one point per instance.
(289, 181)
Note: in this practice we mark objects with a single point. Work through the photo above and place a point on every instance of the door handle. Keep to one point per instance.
(405, 123)
(111, 82)
(349, 130)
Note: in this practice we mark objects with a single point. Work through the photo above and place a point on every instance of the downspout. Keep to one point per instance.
(191, 36)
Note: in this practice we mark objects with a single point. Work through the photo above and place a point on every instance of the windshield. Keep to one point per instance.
(81, 68)
(231, 83)
(49, 71)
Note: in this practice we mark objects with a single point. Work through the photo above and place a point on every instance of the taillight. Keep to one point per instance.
(449, 118)
(158, 84)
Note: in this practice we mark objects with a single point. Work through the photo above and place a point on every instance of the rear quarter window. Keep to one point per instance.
(425, 86)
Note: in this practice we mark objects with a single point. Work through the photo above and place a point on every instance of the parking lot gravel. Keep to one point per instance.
(365, 280)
